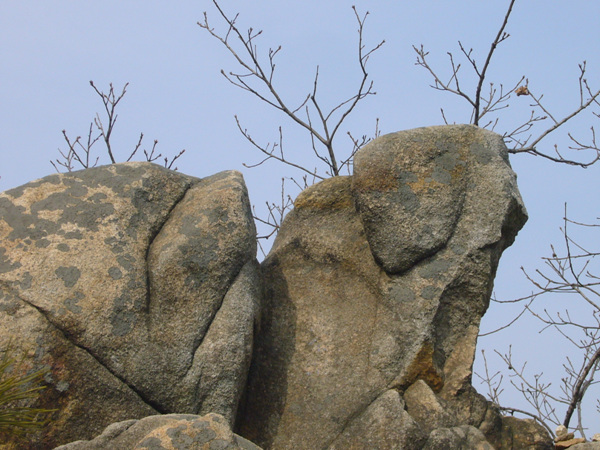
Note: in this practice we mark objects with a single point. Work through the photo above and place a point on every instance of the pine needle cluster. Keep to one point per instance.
(17, 416)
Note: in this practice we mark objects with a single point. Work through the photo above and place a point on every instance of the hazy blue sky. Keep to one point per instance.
(51, 50)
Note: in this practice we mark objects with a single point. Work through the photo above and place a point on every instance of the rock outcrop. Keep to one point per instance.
(374, 291)
(136, 287)
(169, 431)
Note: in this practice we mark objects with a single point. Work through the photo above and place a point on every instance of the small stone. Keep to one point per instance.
(596, 437)
(569, 443)
(561, 430)
(564, 437)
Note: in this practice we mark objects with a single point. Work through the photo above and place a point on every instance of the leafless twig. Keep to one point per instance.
(495, 389)
(481, 106)
(81, 153)
(578, 145)
(277, 211)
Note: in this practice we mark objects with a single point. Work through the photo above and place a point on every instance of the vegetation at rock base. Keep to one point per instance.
(17, 416)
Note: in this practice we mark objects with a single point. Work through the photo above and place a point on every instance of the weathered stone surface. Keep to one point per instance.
(560, 432)
(138, 289)
(312, 368)
(378, 280)
(525, 434)
(565, 437)
(385, 424)
(586, 446)
(169, 432)
(409, 189)
(426, 408)
(460, 438)
(136, 286)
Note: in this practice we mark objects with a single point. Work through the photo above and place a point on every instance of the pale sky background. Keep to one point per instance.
(50, 50)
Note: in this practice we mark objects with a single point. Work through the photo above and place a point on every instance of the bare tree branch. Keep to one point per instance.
(80, 153)
(569, 273)
(501, 36)
(581, 385)
(271, 152)
(259, 80)
(110, 102)
(584, 104)
(497, 99)
(527, 413)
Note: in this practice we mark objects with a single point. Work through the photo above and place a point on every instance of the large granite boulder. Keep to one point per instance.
(136, 287)
(169, 431)
(374, 291)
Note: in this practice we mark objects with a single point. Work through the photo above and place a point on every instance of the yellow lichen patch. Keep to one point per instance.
(50, 215)
(330, 194)
(377, 179)
(5, 229)
(34, 194)
(459, 170)
(207, 432)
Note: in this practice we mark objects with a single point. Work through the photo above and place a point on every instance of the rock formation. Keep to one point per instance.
(137, 287)
(374, 291)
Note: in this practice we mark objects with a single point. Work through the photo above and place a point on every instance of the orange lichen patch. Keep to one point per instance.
(423, 368)
(378, 180)
(426, 182)
(330, 194)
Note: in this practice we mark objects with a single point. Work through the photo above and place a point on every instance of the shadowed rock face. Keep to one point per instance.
(374, 291)
(136, 286)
